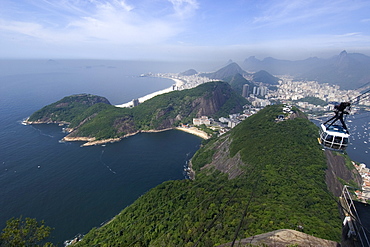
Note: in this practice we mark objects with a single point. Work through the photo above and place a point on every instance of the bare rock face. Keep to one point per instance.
(221, 160)
(283, 238)
(125, 125)
(337, 169)
(209, 105)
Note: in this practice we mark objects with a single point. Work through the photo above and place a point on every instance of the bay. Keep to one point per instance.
(72, 188)
(359, 141)
(359, 146)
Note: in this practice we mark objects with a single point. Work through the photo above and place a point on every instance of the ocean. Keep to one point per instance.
(72, 188)
(75, 188)
(359, 141)
(359, 129)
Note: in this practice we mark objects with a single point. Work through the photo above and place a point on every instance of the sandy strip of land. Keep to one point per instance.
(195, 131)
(178, 83)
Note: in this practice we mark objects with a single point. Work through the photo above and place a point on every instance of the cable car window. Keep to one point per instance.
(329, 138)
(337, 139)
(336, 146)
(345, 140)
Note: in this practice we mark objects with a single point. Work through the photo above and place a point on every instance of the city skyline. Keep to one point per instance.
(182, 29)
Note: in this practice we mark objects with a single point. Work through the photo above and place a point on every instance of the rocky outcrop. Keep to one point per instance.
(283, 238)
(125, 125)
(222, 161)
(337, 169)
(209, 105)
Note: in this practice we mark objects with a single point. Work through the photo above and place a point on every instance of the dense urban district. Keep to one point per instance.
(310, 96)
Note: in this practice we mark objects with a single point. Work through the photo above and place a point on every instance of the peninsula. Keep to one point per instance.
(92, 119)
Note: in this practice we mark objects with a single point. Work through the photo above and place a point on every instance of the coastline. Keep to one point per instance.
(91, 141)
(195, 131)
(178, 83)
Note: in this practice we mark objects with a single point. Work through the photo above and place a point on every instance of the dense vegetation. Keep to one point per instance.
(313, 100)
(282, 186)
(24, 232)
(68, 109)
(104, 121)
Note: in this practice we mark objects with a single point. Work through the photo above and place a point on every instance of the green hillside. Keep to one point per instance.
(89, 117)
(68, 109)
(280, 183)
(313, 100)
(237, 82)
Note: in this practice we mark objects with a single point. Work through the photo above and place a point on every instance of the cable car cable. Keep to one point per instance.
(221, 211)
(245, 212)
(358, 97)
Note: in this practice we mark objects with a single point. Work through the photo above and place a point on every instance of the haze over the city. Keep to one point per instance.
(183, 29)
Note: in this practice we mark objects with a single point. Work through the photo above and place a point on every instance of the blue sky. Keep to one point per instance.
(183, 29)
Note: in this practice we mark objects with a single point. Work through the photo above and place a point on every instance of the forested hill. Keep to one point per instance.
(261, 176)
(93, 117)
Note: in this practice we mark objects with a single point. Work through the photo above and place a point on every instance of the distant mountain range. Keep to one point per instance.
(229, 70)
(236, 77)
(348, 70)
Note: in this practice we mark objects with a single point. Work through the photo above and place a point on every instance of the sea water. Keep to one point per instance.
(72, 188)
(69, 187)
(358, 125)
(359, 129)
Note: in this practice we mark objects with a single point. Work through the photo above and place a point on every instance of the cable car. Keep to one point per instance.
(334, 137)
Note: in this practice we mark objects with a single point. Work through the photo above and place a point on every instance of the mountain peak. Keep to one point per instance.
(189, 72)
(227, 71)
(343, 53)
(343, 56)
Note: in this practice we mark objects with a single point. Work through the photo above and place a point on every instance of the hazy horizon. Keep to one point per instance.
(182, 30)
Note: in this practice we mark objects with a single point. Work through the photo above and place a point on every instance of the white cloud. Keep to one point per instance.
(184, 8)
(113, 21)
(276, 13)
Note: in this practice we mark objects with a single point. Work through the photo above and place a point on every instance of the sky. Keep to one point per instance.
(179, 30)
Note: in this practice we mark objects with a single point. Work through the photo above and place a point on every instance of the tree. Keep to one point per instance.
(28, 232)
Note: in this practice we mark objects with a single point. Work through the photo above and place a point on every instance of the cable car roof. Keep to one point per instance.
(335, 130)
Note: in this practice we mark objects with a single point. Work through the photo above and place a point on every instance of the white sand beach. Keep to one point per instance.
(194, 131)
(178, 83)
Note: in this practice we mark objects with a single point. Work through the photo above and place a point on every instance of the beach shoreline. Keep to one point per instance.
(178, 83)
(93, 142)
(194, 131)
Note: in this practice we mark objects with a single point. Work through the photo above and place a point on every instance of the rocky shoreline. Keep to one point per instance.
(91, 141)
(60, 123)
